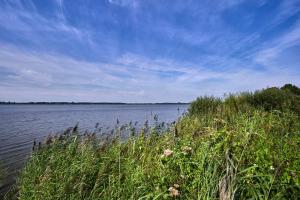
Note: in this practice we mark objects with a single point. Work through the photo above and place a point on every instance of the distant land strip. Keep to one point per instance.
(82, 103)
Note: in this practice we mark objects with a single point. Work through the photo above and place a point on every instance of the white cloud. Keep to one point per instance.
(132, 78)
(286, 9)
(48, 76)
(126, 3)
(271, 51)
(17, 17)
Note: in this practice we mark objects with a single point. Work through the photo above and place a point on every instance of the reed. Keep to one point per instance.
(1, 175)
(229, 150)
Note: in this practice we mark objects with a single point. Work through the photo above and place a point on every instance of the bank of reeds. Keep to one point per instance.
(1, 175)
(222, 149)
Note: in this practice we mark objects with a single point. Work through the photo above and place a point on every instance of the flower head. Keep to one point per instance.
(168, 152)
(174, 192)
(186, 149)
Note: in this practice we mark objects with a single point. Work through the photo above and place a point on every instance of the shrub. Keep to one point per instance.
(239, 102)
(271, 99)
(205, 105)
(268, 99)
(292, 88)
(275, 99)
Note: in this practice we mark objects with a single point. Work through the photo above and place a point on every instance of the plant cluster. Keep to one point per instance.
(281, 99)
(238, 148)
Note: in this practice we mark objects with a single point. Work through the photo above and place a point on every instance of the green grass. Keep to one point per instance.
(1, 175)
(229, 150)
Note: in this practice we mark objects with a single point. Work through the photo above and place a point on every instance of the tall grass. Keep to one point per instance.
(1, 175)
(228, 150)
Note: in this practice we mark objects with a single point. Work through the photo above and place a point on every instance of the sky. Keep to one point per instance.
(145, 50)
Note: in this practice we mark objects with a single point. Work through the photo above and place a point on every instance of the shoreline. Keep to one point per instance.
(221, 148)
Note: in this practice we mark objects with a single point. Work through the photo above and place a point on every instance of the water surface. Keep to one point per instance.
(20, 125)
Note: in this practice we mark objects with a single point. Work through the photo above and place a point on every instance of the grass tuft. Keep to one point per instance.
(223, 149)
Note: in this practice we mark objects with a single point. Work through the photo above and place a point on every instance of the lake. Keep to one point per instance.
(20, 125)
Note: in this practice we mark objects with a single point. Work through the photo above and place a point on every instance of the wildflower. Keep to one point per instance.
(221, 121)
(46, 176)
(271, 167)
(168, 152)
(174, 192)
(176, 185)
(186, 149)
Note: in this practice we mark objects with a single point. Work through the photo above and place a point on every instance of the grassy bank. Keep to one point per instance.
(243, 147)
(1, 175)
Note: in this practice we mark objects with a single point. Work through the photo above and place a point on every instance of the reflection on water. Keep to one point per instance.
(20, 125)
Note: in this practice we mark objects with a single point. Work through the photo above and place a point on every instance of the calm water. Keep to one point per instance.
(21, 124)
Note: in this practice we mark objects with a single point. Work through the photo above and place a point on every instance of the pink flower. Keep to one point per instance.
(174, 192)
(168, 152)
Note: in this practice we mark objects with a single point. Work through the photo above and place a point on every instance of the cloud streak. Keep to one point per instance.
(145, 51)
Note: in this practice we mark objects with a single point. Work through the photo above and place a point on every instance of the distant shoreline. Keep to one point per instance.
(88, 103)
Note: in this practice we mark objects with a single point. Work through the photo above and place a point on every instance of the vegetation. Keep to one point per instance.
(243, 147)
(1, 175)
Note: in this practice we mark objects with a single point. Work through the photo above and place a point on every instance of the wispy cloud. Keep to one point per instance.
(141, 51)
(271, 51)
(129, 3)
(60, 9)
(131, 78)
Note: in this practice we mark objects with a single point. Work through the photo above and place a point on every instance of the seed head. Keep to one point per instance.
(186, 149)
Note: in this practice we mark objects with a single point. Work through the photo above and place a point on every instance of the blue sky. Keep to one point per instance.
(145, 50)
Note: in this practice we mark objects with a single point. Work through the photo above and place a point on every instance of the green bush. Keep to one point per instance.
(292, 88)
(273, 98)
(205, 105)
(239, 102)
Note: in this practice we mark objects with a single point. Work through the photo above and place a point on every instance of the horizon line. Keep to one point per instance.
(71, 102)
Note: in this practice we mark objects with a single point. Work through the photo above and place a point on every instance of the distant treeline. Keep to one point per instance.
(83, 103)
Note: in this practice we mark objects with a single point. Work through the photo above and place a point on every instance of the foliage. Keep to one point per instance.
(292, 88)
(1, 175)
(276, 99)
(282, 99)
(229, 150)
(205, 105)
